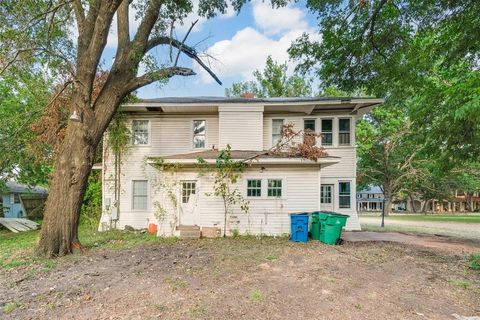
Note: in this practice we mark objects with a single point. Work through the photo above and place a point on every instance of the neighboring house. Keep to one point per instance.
(176, 131)
(12, 199)
(370, 199)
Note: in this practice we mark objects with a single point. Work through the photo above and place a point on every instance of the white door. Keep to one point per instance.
(326, 197)
(189, 215)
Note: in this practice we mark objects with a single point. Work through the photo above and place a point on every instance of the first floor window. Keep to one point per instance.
(344, 132)
(188, 188)
(326, 193)
(277, 127)
(254, 188)
(199, 134)
(140, 132)
(344, 194)
(274, 188)
(327, 132)
(140, 194)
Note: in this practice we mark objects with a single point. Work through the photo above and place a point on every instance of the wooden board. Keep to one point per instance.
(18, 224)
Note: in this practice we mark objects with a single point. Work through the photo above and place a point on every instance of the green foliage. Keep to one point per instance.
(9, 307)
(474, 261)
(273, 81)
(226, 172)
(119, 135)
(22, 98)
(92, 202)
(420, 55)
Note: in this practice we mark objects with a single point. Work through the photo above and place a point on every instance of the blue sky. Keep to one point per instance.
(237, 45)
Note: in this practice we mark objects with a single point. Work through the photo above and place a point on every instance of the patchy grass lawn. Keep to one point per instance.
(138, 276)
(17, 249)
(470, 218)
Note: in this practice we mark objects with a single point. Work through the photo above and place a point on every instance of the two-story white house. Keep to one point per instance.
(177, 131)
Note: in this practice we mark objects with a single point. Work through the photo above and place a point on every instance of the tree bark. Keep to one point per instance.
(59, 234)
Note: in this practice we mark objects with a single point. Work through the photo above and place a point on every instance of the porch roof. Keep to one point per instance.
(260, 157)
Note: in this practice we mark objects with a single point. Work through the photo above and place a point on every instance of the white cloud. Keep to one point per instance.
(278, 20)
(249, 48)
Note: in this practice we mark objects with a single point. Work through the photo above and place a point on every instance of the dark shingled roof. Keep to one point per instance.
(244, 100)
(235, 154)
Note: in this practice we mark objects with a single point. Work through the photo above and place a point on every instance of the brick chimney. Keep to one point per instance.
(248, 95)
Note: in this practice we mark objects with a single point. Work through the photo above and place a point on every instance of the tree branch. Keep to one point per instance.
(187, 50)
(79, 14)
(157, 75)
(123, 28)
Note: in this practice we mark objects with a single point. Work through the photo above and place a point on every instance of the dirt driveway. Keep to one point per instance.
(247, 278)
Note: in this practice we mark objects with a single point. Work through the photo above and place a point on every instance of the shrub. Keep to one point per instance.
(474, 261)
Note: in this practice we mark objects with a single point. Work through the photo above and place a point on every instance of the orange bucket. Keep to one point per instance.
(152, 228)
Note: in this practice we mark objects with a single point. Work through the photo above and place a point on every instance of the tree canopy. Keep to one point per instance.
(273, 81)
(421, 55)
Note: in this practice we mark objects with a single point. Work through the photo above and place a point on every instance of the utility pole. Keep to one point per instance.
(383, 212)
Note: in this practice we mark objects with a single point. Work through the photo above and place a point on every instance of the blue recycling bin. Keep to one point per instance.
(299, 227)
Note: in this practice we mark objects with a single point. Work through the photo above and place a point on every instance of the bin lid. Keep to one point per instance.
(298, 213)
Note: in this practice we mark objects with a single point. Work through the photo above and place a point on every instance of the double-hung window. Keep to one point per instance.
(140, 132)
(344, 132)
(254, 188)
(309, 131)
(277, 127)
(326, 193)
(327, 132)
(344, 195)
(188, 188)
(139, 194)
(199, 131)
(274, 188)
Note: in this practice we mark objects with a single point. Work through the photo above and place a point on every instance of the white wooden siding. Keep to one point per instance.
(173, 134)
(242, 129)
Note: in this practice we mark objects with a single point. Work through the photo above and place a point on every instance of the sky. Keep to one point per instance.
(233, 45)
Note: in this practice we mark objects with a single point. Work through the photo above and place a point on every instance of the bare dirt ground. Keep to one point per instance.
(456, 229)
(247, 278)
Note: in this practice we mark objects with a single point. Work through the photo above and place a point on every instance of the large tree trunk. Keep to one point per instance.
(388, 206)
(62, 211)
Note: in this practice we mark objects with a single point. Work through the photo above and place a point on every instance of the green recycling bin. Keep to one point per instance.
(331, 224)
(315, 227)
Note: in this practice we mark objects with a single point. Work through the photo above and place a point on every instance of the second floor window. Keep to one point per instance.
(199, 134)
(344, 194)
(327, 132)
(344, 132)
(309, 131)
(277, 126)
(140, 132)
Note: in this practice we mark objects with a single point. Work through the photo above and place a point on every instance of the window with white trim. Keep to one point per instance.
(274, 188)
(326, 193)
(140, 134)
(309, 131)
(327, 132)
(199, 134)
(139, 194)
(344, 195)
(254, 188)
(344, 132)
(277, 126)
(188, 188)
